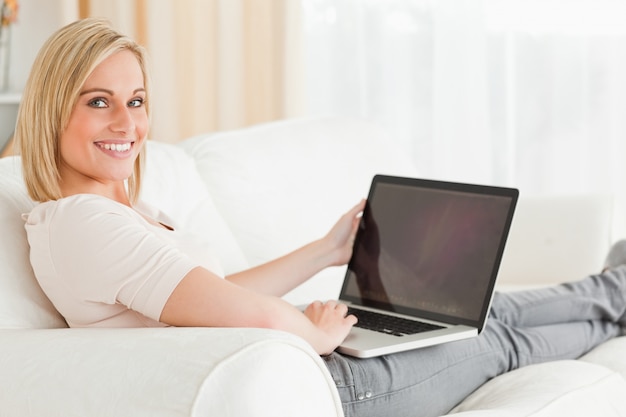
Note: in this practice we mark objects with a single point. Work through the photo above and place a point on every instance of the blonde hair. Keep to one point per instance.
(60, 69)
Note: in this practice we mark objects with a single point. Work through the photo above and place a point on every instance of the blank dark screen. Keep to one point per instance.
(427, 250)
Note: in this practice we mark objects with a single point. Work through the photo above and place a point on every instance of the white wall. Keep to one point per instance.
(37, 20)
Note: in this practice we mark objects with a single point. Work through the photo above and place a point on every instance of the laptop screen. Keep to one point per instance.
(430, 248)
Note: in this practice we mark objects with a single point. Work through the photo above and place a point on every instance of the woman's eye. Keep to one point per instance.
(136, 102)
(97, 102)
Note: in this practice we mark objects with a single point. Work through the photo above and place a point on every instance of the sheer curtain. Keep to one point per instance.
(525, 93)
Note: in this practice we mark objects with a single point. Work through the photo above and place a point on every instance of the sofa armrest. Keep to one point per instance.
(162, 372)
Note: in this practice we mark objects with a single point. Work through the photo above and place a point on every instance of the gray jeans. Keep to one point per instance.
(527, 327)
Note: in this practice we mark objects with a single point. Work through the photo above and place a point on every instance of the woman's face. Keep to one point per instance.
(106, 128)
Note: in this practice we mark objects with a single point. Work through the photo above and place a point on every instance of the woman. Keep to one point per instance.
(107, 260)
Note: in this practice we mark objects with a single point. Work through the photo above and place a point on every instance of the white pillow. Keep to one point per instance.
(559, 388)
(22, 302)
(283, 184)
(172, 184)
(609, 354)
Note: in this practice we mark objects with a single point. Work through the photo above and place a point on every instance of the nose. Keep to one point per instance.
(122, 120)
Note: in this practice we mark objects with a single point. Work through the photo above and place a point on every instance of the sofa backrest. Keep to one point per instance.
(173, 185)
(22, 302)
(283, 184)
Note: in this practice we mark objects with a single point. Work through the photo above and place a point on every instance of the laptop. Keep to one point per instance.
(426, 254)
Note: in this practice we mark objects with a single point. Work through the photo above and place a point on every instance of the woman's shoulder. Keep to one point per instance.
(75, 209)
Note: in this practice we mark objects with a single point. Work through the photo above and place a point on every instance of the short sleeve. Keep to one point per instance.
(104, 252)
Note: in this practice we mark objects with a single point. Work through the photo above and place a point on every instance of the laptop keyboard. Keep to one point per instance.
(384, 323)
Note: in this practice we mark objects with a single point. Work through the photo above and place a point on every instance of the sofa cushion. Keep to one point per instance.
(173, 185)
(283, 184)
(22, 302)
(610, 355)
(561, 388)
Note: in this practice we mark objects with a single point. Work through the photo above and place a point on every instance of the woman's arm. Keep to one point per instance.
(202, 299)
(280, 276)
(251, 298)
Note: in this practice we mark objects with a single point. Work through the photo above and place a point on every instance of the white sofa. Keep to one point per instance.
(258, 193)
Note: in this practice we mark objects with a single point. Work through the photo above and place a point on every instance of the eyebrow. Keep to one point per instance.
(109, 92)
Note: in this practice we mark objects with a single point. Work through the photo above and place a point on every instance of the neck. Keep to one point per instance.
(114, 191)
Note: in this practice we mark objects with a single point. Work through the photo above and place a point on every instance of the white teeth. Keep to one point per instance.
(119, 147)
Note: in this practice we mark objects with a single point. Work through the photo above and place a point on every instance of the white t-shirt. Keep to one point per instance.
(102, 264)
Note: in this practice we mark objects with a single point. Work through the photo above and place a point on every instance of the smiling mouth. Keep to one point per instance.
(116, 147)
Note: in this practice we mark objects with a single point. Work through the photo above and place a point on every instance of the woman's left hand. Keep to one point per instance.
(341, 236)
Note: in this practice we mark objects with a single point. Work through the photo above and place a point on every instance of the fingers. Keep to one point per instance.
(355, 212)
(332, 320)
(332, 305)
(357, 208)
(342, 310)
(328, 304)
